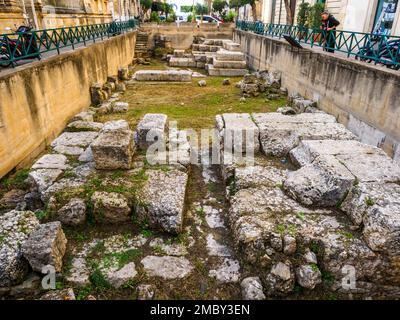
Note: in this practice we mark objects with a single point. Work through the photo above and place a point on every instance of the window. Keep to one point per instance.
(385, 13)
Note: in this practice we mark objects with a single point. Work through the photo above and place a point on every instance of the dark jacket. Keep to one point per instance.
(330, 22)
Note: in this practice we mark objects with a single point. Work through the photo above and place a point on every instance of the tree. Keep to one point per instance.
(303, 14)
(240, 3)
(146, 4)
(201, 10)
(289, 12)
(219, 6)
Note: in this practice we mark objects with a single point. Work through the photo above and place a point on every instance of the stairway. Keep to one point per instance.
(141, 47)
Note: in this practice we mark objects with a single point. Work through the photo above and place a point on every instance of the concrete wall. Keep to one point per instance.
(38, 99)
(363, 97)
(181, 37)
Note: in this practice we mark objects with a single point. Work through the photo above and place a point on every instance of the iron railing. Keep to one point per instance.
(382, 49)
(32, 44)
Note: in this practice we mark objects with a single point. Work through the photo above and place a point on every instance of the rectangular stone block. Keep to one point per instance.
(240, 129)
(113, 149)
(221, 72)
(182, 62)
(163, 199)
(279, 134)
(179, 53)
(231, 46)
(154, 126)
(229, 64)
(226, 55)
(163, 75)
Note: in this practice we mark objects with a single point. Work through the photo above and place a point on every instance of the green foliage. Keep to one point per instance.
(41, 214)
(314, 247)
(120, 259)
(186, 8)
(146, 4)
(327, 277)
(303, 14)
(84, 292)
(314, 267)
(369, 201)
(230, 16)
(98, 280)
(201, 9)
(315, 19)
(16, 180)
(154, 17)
(239, 3)
(219, 5)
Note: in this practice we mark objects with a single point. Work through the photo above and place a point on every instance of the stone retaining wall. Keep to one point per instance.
(38, 99)
(363, 97)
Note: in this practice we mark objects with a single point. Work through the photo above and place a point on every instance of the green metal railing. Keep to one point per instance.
(382, 49)
(32, 44)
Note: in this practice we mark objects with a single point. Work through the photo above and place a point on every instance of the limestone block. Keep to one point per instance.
(162, 199)
(45, 246)
(153, 127)
(113, 150)
(110, 207)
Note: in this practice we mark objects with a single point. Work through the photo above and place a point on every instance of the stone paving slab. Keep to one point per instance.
(238, 128)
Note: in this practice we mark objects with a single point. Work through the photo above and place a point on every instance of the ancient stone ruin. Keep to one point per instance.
(309, 205)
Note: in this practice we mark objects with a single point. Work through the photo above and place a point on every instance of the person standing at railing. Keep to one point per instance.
(329, 24)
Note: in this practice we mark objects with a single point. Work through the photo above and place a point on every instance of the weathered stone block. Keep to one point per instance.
(123, 74)
(113, 150)
(153, 127)
(97, 94)
(73, 213)
(182, 62)
(230, 55)
(45, 246)
(15, 228)
(225, 72)
(110, 207)
(229, 64)
(51, 161)
(120, 107)
(238, 133)
(325, 182)
(281, 133)
(163, 75)
(162, 199)
(84, 126)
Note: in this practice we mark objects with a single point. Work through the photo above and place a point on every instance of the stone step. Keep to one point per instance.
(225, 72)
(229, 64)
(216, 42)
(205, 48)
(231, 46)
(163, 75)
(226, 55)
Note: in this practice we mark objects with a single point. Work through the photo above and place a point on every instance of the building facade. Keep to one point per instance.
(44, 14)
(380, 16)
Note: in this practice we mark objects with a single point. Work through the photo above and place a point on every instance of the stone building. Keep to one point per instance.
(58, 13)
(381, 16)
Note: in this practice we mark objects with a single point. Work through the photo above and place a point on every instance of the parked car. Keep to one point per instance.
(208, 19)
